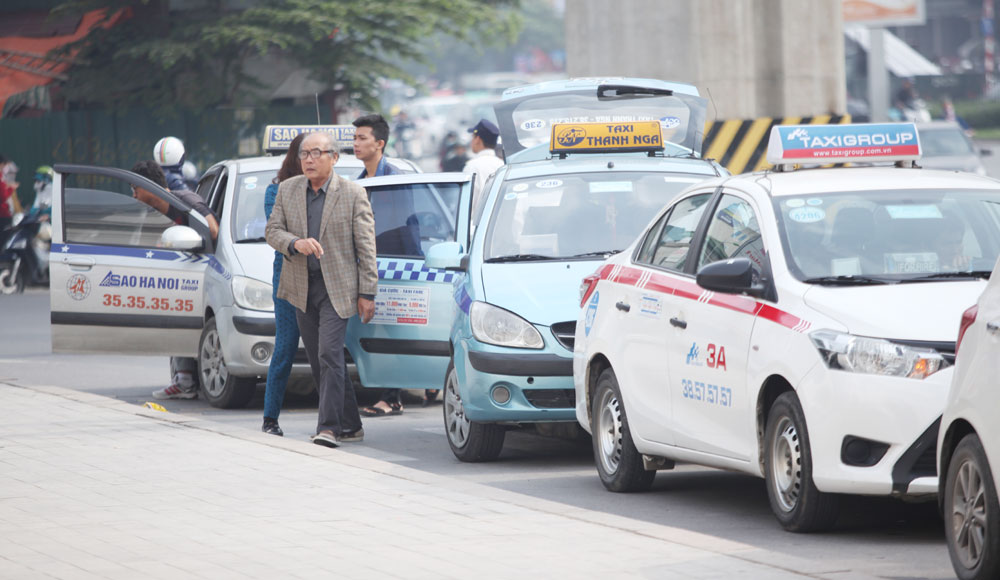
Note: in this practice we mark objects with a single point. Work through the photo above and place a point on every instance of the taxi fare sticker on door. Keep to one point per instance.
(402, 305)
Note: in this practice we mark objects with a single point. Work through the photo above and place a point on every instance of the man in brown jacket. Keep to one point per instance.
(324, 226)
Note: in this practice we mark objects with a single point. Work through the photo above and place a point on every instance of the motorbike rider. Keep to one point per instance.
(169, 155)
(43, 191)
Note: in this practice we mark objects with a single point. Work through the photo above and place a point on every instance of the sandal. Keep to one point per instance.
(373, 411)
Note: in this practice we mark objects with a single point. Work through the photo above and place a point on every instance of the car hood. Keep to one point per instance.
(917, 311)
(541, 292)
(256, 261)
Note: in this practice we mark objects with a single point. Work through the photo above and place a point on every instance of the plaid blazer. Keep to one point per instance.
(347, 234)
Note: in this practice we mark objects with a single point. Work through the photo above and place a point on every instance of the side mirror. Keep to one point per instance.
(446, 256)
(985, 152)
(181, 238)
(733, 276)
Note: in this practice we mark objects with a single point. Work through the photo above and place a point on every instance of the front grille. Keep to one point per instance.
(551, 398)
(565, 333)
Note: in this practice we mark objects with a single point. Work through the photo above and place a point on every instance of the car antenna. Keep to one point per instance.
(316, 95)
(715, 117)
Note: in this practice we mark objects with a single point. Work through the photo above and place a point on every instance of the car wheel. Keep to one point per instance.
(618, 462)
(470, 441)
(795, 501)
(11, 280)
(222, 389)
(971, 513)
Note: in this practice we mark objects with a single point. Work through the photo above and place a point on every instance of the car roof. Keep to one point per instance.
(585, 83)
(621, 161)
(273, 163)
(837, 179)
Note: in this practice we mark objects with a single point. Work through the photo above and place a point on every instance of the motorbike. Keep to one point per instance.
(24, 257)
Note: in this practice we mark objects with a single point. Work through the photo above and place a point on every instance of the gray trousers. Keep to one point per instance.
(322, 333)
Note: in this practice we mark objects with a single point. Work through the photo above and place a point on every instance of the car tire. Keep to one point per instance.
(972, 513)
(220, 388)
(795, 501)
(618, 462)
(470, 441)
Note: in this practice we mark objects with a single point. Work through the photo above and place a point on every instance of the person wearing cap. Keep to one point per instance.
(484, 160)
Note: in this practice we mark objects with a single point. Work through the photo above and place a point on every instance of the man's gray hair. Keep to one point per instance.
(330, 143)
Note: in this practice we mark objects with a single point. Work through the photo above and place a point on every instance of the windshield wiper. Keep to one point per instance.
(519, 258)
(602, 253)
(982, 274)
(846, 280)
(251, 240)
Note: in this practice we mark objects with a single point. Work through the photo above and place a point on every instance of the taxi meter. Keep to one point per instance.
(623, 137)
(790, 144)
(278, 138)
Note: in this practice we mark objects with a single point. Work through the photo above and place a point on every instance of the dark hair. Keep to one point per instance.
(151, 171)
(380, 128)
(291, 167)
(489, 139)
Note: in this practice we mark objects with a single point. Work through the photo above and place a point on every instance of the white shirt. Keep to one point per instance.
(483, 164)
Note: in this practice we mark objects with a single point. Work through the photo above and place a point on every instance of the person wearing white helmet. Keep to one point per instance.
(169, 155)
(190, 174)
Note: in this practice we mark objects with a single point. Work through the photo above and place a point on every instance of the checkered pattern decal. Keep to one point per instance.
(405, 270)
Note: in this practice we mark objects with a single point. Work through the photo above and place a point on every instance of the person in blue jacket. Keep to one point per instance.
(286, 329)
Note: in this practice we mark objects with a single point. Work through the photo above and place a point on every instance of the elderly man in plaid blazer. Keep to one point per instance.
(324, 226)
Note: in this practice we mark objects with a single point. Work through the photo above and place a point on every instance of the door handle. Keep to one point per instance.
(622, 306)
(993, 327)
(79, 263)
(678, 323)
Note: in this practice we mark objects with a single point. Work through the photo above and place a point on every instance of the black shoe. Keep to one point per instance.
(271, 427)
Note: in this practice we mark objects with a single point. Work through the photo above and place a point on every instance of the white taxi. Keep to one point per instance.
(797, 324)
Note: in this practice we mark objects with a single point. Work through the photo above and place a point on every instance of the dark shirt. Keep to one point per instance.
(315, 200)
(194, 200)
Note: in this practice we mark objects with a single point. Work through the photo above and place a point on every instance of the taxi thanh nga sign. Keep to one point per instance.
(825, 144)
(279, 137)
(605, 137)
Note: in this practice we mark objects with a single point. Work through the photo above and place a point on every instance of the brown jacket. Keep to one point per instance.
(347, 235)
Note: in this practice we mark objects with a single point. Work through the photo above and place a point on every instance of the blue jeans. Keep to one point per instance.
(286, 344)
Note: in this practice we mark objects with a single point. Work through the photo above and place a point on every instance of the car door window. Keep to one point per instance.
(102, 211)
(674, 242)
(645, 254)
(205, 186)
(733, 232)
(410, 219)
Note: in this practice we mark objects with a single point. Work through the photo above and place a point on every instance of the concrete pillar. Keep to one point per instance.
(754, 58)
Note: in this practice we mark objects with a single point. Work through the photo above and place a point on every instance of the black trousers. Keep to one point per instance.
(322, 331)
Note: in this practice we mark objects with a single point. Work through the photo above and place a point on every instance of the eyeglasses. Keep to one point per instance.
(314, 153)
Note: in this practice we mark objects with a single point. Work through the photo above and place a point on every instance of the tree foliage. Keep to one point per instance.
(197, 57)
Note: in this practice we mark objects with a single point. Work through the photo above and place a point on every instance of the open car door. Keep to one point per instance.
(124, 277)
(406, 343)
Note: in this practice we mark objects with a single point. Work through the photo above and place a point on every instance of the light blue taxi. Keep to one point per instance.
(589, 163)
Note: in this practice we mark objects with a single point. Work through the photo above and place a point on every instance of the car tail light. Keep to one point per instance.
(968, 317)
(587, 287)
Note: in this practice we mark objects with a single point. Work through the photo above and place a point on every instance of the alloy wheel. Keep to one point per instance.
(968, 517)
(214, 373)
(456, 423)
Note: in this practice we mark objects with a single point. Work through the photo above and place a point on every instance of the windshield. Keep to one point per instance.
(527, 121)
(576, 215)
(890, 236)
(946, 142)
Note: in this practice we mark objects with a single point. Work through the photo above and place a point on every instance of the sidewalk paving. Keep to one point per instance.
(92, 487)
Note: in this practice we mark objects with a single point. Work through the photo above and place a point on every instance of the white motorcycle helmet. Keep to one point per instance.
(190, 172)
(169, 152)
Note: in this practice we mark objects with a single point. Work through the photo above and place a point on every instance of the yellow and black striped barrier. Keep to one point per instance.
(741, 145)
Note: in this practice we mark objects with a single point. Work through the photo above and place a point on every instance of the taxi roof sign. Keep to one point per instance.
(279, 137)
(864, 142)
(619, 137)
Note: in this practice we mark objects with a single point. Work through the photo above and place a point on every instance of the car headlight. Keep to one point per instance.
(497, 326)
(875, 356)
(252, 294)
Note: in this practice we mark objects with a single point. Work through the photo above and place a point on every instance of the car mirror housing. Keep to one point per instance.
(446, 256)
(181, 238)
(732, 276)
